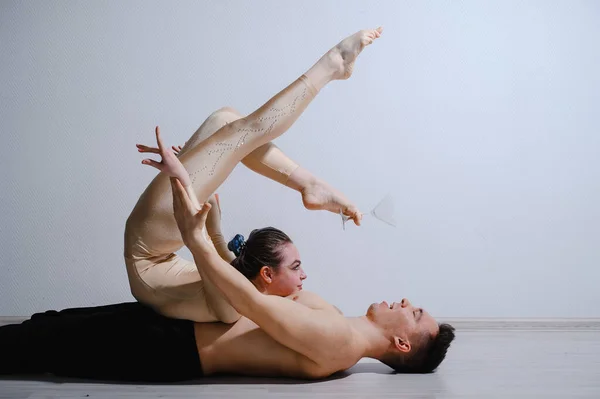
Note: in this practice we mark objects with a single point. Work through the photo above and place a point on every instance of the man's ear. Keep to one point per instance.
(402, 344)
(266, 273)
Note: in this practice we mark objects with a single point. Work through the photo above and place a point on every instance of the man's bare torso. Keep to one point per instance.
(244, 348)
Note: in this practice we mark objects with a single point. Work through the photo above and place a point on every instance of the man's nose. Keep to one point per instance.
(405, 302)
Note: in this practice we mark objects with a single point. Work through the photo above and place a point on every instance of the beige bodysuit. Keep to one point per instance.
(160, 278)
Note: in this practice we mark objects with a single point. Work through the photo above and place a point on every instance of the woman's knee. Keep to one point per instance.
(225, 115)
(228, 110)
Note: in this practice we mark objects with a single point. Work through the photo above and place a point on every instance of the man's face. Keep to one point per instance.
(404, 321)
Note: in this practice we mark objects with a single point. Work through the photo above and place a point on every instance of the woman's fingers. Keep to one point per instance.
(144, 148)
(153, 163)
(161, 145)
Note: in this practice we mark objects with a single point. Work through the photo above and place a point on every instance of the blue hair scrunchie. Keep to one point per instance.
(237, 244)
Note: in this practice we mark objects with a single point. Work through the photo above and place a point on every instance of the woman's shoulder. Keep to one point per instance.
(313, 301)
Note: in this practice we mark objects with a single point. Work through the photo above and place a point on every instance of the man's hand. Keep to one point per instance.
(169, 164)
(190, 221)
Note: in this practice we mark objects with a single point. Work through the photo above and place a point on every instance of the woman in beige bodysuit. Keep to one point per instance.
(175, 286)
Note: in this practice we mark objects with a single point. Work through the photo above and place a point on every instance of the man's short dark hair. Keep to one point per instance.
(429, 355)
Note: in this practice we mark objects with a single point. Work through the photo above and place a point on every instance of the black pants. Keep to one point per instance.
(121, 342)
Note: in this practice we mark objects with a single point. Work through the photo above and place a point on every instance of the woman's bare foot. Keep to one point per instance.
(338, 63)
(318, 195)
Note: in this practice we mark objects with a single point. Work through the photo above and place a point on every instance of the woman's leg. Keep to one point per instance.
(157, 275)
(210, 162)
(270, 161)
(267, 160)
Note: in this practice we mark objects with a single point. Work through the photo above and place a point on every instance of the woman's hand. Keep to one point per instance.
(213, 219)
(177, 149)
(169, 164)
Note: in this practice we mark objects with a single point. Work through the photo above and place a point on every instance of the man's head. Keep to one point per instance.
(418, 344)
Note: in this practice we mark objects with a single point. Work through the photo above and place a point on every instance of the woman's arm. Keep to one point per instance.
(213, 227)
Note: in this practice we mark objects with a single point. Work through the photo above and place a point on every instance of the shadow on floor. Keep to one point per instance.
(372, 368)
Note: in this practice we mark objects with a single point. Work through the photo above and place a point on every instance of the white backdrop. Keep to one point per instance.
(479, 119)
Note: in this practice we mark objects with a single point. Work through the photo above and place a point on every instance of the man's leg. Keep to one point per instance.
(124, 342)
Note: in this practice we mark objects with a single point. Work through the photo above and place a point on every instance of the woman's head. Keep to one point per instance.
(270, 260)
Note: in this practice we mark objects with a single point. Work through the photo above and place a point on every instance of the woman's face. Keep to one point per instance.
(288, 277)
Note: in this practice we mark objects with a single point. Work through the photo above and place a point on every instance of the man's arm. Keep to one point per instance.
(311, 332)
(317, 334)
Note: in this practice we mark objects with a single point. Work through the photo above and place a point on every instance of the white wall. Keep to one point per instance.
(480, 120)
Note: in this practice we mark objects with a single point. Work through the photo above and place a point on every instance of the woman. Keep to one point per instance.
(176, 287)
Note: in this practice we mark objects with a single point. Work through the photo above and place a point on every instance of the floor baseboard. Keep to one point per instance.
(11, 320)
(524, 324)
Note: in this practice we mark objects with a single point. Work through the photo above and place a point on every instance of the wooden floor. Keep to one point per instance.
(495, 363)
